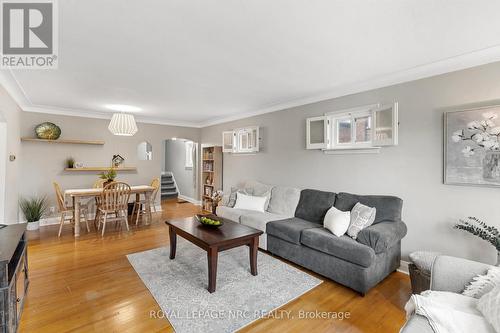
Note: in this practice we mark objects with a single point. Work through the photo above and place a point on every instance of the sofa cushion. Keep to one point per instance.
(290, 229)
(314, 204)
(388, 207)
(232, 213)
(382, 236)
(259, 189)
(259, 220)
(284, 200)
(343, 247)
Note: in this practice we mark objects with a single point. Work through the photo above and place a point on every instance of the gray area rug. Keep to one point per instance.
(179, 287)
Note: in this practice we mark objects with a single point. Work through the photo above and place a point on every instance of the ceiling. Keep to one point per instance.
(199, 62)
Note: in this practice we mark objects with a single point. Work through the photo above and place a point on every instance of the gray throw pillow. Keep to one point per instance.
(361, 217)
(232, 197)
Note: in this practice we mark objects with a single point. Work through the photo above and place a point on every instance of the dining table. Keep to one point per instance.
(77, 195)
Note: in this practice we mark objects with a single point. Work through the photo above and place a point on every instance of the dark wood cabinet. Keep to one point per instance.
(13, 275)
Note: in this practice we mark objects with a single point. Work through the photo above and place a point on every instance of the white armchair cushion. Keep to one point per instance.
(250, 202)
(337, 221)
(489, 305)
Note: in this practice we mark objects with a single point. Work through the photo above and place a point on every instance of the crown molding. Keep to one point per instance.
(451, 64)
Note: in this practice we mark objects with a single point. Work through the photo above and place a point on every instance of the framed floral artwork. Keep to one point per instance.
(472, 147)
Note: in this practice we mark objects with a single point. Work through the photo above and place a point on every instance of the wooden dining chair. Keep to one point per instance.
(99, 183)
(67, 212)
(140, 206)
(113, 204)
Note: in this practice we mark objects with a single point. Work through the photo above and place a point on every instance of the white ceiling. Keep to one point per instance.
(197, 62)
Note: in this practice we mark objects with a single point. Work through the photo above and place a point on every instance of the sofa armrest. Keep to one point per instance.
(383, 235)
(453, 274)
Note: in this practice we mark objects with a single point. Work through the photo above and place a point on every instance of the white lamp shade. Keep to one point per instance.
(123, 124)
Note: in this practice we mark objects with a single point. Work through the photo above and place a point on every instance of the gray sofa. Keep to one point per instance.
(359, 264)
(448, 274)
(293, 229)
(282, 204)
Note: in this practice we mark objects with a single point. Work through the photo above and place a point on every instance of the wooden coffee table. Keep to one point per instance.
(215, 240)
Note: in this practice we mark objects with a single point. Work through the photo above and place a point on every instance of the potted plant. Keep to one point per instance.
(216, 198)
(34, 209)
(70, 162)
(480, 229)
(109, 176)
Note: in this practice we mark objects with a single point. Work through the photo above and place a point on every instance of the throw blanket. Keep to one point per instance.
(448, 312)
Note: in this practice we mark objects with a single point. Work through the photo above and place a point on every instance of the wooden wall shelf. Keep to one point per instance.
(74, 142)
(89, 169)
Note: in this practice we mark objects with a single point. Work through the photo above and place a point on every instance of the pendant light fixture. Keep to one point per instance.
(123, 124)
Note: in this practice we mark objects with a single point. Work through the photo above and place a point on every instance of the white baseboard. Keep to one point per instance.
(50, 221)
(403, 267)
(191, 200)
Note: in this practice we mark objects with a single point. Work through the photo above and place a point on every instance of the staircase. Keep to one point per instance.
(168, 186)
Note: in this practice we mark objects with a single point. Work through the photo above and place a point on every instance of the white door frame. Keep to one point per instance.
(3, 167)
(196, 178)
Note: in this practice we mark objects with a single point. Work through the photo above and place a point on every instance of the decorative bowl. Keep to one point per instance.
(199, 218)
(48, 131)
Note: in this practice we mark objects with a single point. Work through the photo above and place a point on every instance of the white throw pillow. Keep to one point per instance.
(361, 217)
(483, 283)
(337, 221)
(489, 305)
(250, 202)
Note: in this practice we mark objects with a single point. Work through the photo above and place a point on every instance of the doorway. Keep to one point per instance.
(180, 177)
(3, 167)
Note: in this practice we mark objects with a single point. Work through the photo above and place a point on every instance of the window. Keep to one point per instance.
(189, 145)
(241, 140)
(366, 127)
(351, 129)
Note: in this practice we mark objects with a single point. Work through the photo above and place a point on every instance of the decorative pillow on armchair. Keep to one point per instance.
(483, 283)
(361, 217)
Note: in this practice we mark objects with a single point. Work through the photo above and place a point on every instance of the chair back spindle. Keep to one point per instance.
(115, 197)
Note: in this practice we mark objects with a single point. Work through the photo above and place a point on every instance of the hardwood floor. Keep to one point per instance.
(88, 285)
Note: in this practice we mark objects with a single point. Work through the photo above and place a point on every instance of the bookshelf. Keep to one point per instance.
(211, 174)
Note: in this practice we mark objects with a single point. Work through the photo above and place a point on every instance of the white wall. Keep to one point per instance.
(10, 117)
(412, 170)
(175, 162)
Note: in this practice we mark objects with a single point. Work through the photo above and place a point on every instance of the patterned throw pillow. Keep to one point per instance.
(361, 217)
(232, 197)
